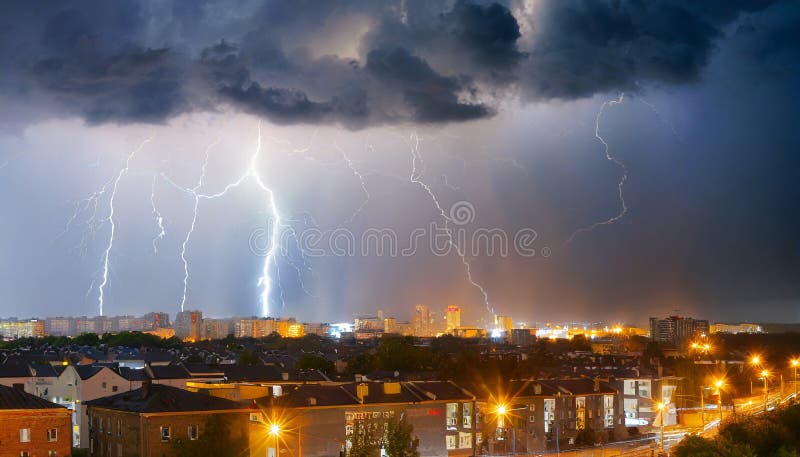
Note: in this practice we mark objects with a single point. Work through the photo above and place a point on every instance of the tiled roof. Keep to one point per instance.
(87, 371)
(252, 373)
(44, 370)
(159, 398)
(133, 374)
(168, 372)
(13, 370)
(12, 398)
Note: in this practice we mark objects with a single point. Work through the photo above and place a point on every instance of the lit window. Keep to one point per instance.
(164, 434)
(24, 435)
(451, 441)
(193, 432)
(24, 454)
(52, 453)
(52, 434)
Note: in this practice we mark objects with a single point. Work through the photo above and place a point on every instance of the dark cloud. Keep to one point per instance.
(433, 97)
(428, 62)
(585, 46)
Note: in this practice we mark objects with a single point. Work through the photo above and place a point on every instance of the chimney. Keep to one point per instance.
(147, 386)
(362, 390)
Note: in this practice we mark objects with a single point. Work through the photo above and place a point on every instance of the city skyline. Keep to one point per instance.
(330, 160)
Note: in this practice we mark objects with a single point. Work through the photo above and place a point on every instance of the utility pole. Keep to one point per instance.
(702, 407)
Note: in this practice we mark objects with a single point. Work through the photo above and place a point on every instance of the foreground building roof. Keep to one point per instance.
(13, 398)
(159, 398)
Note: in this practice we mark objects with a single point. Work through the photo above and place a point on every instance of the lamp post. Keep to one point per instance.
(661, 406)
(275, 431)
(765, 375)
(795, 363)
(719, 383)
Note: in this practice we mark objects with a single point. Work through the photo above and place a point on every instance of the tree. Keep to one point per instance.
(214, 440)
(400, 440)
(87, 339)
(315, 362)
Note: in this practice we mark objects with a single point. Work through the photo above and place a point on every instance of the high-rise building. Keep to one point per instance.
(59, 326)
(453, 318)
(503, 323)
(217, 329)
(156, 320)
(188, 325)
(389, 325)
(676, 329)
(422, 321)
(13, 328)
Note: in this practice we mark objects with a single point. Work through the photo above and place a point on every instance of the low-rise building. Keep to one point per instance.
(153, 420)
(32, 426)
(318, 419)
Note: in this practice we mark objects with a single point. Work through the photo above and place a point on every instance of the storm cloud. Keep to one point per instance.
(353, 63)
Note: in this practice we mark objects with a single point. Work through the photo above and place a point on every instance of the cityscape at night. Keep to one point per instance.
(399, 228)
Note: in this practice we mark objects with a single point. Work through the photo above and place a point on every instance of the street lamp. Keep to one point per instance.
(765, 375)
(719, 383)
(275, 431)
(661, 406)
(795, 363)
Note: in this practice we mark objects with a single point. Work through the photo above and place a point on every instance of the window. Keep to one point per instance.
(119, 450)
(580, 413)
(532, 419)
(24, 454)
(549, 413)
(464, 440)
(165, 434)
(52, 453)
(119, 427)
(109, 428)
(466, 414)
(52, 434)
(114, 388)
(193, 432)
(452, 415)
(104, 385)
(24, 435)
(451, 441)
(608, 410)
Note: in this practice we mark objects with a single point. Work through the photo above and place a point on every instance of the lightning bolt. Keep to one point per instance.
(250, 174)
(360, 177)
(417, 172)
(193, 191)
(107, 252)
(157, 216)
(620, 185)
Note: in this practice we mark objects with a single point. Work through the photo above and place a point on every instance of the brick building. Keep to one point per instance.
(148, 421)
(32, 426)
(317, 418)
(542, 413)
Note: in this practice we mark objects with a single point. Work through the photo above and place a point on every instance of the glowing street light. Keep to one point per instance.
(719, 383)
(275, 431)
(765, 376)
(795, 363)
(755, 360)
(661, 406)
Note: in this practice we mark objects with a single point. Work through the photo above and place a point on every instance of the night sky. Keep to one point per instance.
(652, 147)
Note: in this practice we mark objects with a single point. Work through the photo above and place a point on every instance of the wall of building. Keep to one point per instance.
(38, 421)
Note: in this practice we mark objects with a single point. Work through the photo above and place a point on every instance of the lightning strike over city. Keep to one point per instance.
(397, 228)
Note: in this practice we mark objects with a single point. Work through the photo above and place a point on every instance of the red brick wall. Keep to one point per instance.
(39, 421)
(141, 436)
